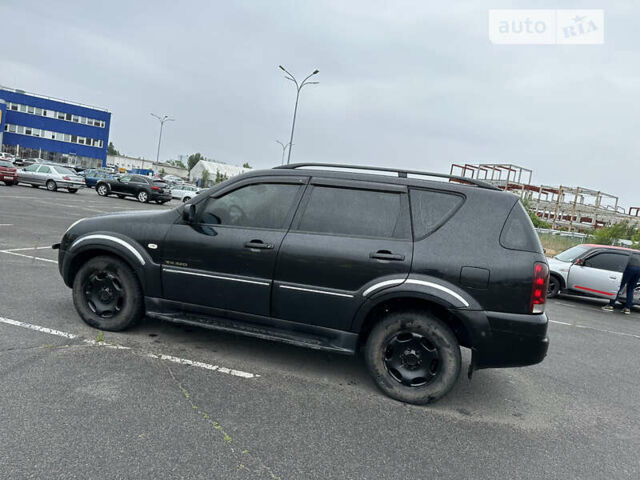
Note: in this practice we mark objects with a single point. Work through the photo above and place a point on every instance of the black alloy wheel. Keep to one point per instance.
(411, 359)
(104, 293)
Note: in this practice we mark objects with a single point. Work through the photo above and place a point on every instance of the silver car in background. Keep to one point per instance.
(185, 192)
(51, 176)
(590, 270)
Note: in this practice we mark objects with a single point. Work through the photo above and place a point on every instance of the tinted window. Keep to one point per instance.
(31, 168)
(44, 169)
(614, 262)
(139, 179)
(518, 232)
(126, 178)
(259, 206)
(429, 209)
(364, 213)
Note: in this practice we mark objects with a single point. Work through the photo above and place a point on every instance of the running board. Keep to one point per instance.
(292, 333)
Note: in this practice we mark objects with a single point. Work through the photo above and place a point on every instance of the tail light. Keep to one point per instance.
(539, 288)
(155, 188)
(66, 178)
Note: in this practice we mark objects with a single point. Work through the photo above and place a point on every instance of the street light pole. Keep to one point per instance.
(299, 86)
(284, 149)
(164, 118)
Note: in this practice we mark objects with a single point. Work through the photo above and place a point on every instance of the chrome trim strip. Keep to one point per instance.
(441, 288)
(335, 294)
(112, 239)
(395, 281)
(218, 277)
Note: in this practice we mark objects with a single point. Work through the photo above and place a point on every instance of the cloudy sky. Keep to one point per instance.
(406, 84)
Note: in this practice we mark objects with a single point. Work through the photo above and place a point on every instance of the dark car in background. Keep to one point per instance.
(92, 176)
(8, 173)
(143, 188)
(405, 269)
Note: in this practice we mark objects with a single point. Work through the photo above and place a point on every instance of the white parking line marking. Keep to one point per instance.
(159, 356)
(37, 328)
(25, 248)
(6, 224)
(28, 256)
(613, 332)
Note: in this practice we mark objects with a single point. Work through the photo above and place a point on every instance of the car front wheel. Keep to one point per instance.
(51, 186)
(102, 190)
(143, 197)
(107, 294)
(553, 290)
(413, 357)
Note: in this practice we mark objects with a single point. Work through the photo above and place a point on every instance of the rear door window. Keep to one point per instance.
(349, 211)
(430, 209)
(44, 169)
(614, 262)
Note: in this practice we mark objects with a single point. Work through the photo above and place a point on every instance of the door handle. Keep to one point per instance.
(613, 277)
(386, 255)
(258, 244)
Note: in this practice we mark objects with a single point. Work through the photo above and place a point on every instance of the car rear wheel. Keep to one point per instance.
(107, 294)
(553, 290)
(8, 184)
(413, 357)
(143, 197)
(102, 190)
(52, 186)
(186, 199)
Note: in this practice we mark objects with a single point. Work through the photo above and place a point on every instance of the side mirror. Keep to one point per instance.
(189, 213)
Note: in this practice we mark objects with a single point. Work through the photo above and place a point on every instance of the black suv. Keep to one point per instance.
(405, 268)
(138, 186)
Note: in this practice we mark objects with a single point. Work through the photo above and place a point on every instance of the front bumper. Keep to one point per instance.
(515, 340)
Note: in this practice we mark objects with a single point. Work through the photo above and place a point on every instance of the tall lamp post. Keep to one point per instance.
(299, 86)
(284, 149)
(164, 118)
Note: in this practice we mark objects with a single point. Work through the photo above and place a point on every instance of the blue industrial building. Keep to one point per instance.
(35, 126)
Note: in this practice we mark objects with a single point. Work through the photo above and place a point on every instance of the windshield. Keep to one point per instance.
(571, 254)
(5, 164)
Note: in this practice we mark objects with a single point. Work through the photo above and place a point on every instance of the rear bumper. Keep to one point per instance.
(515, 340)
(64, 184)
(7, 177)
(160, 196)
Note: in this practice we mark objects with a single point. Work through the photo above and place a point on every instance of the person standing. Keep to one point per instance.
(630, 278)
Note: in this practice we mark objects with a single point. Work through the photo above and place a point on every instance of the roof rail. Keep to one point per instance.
(400, 172)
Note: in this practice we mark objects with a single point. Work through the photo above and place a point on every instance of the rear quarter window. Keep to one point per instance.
(518, 232)
(431, 209)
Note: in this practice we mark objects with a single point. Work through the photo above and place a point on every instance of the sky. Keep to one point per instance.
(402, 84)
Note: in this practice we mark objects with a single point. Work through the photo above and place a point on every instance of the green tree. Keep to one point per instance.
(246, 165)
(220, 177)
(193, 159)
(205, 177)
(609, 235)
(162, 172)
(111, 149)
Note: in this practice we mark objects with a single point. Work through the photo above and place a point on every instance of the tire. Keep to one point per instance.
(51, 186)
(143, 197)
(554, 287)
(72, 190)
(186, 199)
(424, 350)
(102, 190)
(9, 184)
(107, 294)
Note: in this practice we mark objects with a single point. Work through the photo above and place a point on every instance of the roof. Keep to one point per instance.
(612, 247)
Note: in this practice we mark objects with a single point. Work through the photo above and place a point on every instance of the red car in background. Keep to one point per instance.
(8, 173)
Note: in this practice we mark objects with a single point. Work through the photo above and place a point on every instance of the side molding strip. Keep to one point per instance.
(218, 277)
(441, 288)
(112, 239)
(386, 283)
(316, 291)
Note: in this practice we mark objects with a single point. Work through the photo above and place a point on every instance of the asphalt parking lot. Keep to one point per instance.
(165, 401)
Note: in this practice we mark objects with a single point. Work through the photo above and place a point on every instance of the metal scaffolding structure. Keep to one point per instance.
(573, 208)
